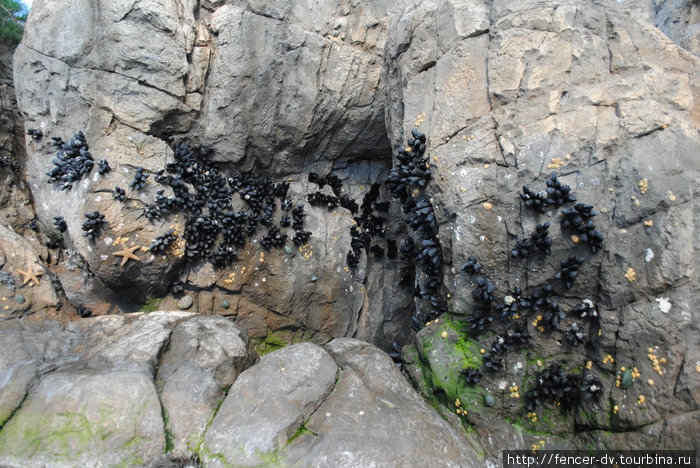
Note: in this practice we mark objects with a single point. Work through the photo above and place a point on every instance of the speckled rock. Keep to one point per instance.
(81, 417)
(400, 428)
(268, 404)
(598, 96)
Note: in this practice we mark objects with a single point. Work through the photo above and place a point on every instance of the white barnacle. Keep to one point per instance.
(664, 304)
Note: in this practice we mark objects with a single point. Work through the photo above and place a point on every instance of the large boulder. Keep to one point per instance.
(506, 95)
(345, 406)
(114, 389)
(166, 387)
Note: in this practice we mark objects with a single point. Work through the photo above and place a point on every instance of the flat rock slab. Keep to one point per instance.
(267, 404)
(85, 418)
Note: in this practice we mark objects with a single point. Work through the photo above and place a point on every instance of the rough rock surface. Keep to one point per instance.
(505, 93)
(607, 102)
(24, 293)
(357, 411)
(128, 389)
(678, 19)
(113, 389)
(306, 98)
(16, 208)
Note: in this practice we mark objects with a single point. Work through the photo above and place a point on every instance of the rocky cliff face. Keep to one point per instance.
(507, 98)
(519, 177)
(303, 97)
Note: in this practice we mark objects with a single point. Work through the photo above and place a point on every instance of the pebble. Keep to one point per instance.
(489, 400)
(185, 303)
(313, 278)
(626, 381)
(20, 299)
(225, 304)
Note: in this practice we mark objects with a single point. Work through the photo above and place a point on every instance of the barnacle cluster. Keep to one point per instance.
(139, 180)
(103, 167)
(119, 194)
(471, 266)
(569, 270)
(35, 133)
(368, 226)
(539, 240)
(472, 376)
(407, 180)
(534, 200)
(60, 223)
(558, 193)
(575, 334)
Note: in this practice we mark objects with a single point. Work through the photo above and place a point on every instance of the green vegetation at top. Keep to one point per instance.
(13, 15)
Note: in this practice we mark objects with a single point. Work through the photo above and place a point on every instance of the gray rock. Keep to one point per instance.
(96, 390)
(203, 359)
(305, 90)
(80, 417)
(267, 404)
(309, 94)
(18, 253)
(185, 303)
(396, 426)
(678, 19)
(20, 365)
(116, 342)
(601, 96)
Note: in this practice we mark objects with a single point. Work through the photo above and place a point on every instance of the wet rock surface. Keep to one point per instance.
(314, 422)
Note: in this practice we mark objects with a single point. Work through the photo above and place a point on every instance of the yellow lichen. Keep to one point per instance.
(488, 206)
(648, 222)
(631, 275)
